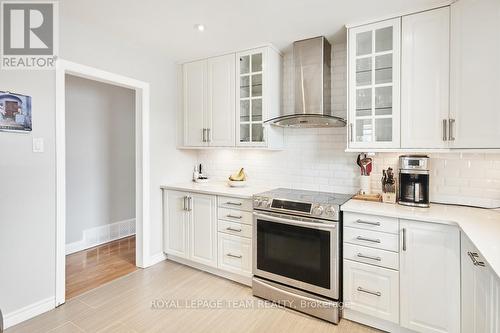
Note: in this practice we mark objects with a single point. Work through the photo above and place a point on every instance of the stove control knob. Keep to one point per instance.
(257, 202)
(330, 211)
(266, 203)
(318, 210)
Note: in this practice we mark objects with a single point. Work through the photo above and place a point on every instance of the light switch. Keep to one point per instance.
(38, 145)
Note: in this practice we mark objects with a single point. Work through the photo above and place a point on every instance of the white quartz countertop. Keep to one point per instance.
(482, 226)
(219, 188)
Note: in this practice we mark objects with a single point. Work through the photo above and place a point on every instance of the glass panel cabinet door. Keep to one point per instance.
(374, 57)
(251, 90)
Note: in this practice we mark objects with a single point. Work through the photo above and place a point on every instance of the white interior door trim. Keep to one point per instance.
(142, 164)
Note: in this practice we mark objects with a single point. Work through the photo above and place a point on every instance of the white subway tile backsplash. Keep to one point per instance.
(314, 159)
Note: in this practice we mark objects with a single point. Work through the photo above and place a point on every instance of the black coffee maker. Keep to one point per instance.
(414, 180)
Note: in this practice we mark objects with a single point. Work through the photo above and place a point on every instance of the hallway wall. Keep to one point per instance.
(100, 160)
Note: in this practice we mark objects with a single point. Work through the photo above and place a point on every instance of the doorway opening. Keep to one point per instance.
(102, 191)
(100, 183)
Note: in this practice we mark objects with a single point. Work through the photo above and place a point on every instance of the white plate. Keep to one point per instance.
(237, 183)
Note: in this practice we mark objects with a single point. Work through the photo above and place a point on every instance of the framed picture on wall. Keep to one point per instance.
(15, 112)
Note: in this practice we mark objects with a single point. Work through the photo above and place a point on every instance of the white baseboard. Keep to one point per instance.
(102, 234)
(156, 258)
(28, 312)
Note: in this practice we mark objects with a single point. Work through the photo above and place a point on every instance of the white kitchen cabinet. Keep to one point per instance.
(480, 292)
(176, 226)
(425, 52)
(203, 229)
(208, 102)
(371, 290)
(190, 228)
(221, 97)
(374, 89)
(475, 73)
(429, 277)
(194, 103)
(258, 97)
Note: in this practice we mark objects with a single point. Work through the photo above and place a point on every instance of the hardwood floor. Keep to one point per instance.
(169, 297)
(94, 267)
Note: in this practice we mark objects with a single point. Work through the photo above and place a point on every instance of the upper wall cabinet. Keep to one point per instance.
(208, 100)
(374, 61)
(258, 97)
(425, 53)
(449, 74)
(475, 73)
(226, 98)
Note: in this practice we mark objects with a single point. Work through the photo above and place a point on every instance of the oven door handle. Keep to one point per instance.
(293, 222)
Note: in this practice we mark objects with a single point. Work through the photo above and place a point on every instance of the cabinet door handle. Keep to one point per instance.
(203, 135)
(232, 229)
(190, 203)
(373, 240)
(209, 137)
(234, 255)
(445, 129)
(473, 256)
(234, 216)
(451, 133)
(350, 132)
(184, 205)
(363, 290)
(404, 239)
(233, 203)
(359, 255)
(368, 222)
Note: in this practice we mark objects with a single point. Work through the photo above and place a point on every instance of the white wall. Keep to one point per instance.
(100, 155)
(27, 191)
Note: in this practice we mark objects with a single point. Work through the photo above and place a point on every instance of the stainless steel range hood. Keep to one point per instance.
(312, 90)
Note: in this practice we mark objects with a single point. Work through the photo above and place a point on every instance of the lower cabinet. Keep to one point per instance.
(480, 292)
(411, 287)
(213, 231)
(190, 229)
(235, 254)
(203, 229)
(372, 290)
(430, 277)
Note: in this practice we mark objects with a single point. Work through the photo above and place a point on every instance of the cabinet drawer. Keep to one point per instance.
(371, 290)
(236, 203)
(235, 215)
(371, 256)
(237, 229)
(379, 240)
(372, 222)
(235, 254)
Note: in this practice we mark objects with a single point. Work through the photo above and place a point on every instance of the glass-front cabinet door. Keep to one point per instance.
(250, 92)
(374, 73)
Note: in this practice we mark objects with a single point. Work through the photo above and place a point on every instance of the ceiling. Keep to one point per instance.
(168, 26)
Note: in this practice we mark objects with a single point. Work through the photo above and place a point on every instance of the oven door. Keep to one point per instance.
(297, 252)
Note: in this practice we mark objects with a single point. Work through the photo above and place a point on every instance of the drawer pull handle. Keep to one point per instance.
(234, 255)
(375, 293)
(234, 216)
(368, 222)
(473, 256)
(233, 203)
(232, 229)
(360, 255)
(368, 239)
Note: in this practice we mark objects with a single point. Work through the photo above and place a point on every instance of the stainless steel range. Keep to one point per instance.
(296, 250)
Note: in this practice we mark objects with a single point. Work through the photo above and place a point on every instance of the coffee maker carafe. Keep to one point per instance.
(414, 180)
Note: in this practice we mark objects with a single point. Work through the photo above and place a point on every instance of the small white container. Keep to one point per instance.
(366, 185)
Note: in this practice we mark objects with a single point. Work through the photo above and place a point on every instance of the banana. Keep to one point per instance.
(238, 176)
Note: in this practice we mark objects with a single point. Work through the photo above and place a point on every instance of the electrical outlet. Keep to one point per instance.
(38, 145)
